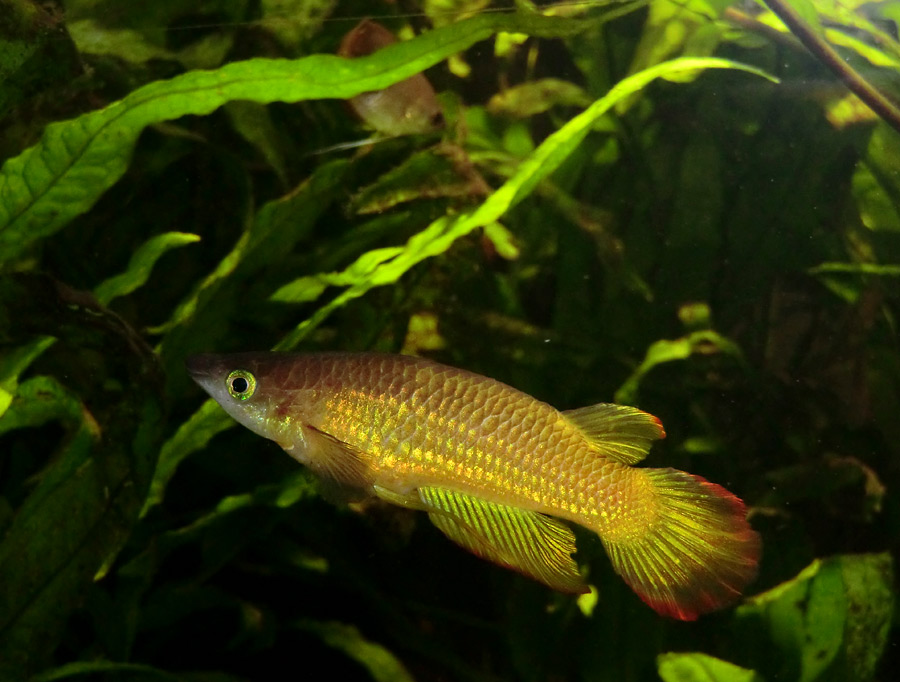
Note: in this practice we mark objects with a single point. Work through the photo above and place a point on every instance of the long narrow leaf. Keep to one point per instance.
(440, 235)
(63, 175)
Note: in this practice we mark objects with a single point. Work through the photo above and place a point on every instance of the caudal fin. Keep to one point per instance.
(698, 553)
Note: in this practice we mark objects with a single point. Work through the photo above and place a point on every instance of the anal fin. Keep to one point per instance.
(535, 545)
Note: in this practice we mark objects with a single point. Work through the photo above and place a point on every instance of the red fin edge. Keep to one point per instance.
(698, 554)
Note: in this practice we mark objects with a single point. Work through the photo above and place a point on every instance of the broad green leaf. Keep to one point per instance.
(13, 364)
(382, 665)
(698, 667)
(141, 265)
(40, 400)
(292, 21)
(62, 176)
(875, 183)
(870, 592)
(66, 530)
(92, 37)
(443, 232)
(28, 51)
(831, 622)
(88, 494)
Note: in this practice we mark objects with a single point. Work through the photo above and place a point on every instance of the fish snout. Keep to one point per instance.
(201, 366)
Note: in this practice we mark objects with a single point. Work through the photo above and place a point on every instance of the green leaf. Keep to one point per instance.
(310, 288)
(192, 435)
(536, 97)
(665, 350)
(831, 622)
(872, 54)
(502, 239)
(92, 37)
(428, 174)
(808, 12)
(443, 232)
(671, 28)
(32, 55)
(869, 590)
(13, 364)
(382, 665)
(141, 264)
(62, 176)
(696, 667)
(292, 21)
(40, 400)
(875, 183)
(135, 671)
(253, 122)
(275, 228)
(873, 269)
(87, 496)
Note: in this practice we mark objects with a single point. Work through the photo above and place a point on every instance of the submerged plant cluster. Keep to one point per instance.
(672, 204)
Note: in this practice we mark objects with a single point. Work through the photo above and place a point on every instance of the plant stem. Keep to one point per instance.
(880, 104)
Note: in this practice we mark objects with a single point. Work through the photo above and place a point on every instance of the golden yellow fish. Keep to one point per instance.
(495, 469)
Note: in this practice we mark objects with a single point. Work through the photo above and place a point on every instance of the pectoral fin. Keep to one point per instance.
(537, 546)
(332, 459)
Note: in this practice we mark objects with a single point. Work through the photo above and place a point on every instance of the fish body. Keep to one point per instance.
(495, 468)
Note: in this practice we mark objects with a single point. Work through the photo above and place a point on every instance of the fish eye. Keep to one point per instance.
(241, 384)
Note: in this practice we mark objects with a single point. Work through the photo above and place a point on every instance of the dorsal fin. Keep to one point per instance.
(535, 545)
(619, 432)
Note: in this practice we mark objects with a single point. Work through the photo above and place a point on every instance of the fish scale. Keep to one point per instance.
(525, 467)
(495, 468)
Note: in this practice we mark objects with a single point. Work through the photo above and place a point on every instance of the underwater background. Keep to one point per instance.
(672, 204)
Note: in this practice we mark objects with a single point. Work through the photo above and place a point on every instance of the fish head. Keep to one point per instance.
(256, 390)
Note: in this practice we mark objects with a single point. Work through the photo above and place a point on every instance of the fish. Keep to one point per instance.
(405, 108)
(499, 472)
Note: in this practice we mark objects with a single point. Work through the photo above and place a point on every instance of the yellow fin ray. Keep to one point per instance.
(619, 432)
(533, 544)
(340, 463)
(698, 553)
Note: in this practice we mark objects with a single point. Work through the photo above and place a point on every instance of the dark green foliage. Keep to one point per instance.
(593, 223)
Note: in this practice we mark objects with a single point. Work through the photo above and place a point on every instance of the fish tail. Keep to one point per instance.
(696, 553)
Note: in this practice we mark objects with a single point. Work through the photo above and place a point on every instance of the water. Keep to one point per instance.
(711, 246)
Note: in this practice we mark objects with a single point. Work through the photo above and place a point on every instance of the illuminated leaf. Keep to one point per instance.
(701, 668)
(141, 265)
